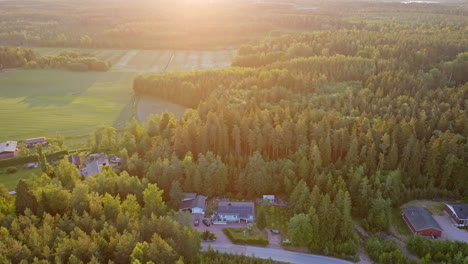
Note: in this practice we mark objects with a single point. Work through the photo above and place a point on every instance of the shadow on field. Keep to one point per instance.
(43, 88)
(124, 115)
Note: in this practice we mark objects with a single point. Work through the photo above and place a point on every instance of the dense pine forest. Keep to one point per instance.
(346, 113)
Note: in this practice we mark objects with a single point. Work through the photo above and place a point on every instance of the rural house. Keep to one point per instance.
(421, 222)
(8, 149)
(194, 203)
(234, 212)
(29, 143)
(94, 164)
(459, 213)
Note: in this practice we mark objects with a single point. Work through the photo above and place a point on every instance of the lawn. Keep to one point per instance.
(11, 180)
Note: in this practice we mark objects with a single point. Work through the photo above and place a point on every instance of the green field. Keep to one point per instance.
(44, 102)
(11, 180)
(37, 103)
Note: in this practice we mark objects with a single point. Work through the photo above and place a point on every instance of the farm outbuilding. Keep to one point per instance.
(8, 149)
(421, 222)
(458, 212)
(34, 141)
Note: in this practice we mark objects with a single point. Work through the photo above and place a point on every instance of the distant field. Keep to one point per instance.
(154, 60)
(43, 102)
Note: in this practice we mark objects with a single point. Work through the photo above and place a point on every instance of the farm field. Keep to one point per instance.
(154, 60)
(43, 102)
(11, 180)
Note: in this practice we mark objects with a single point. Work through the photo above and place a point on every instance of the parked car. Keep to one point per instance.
(196, 222)
(274, 231)
(206, 222)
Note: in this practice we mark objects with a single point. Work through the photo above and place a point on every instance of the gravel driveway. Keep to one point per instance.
(450, 231)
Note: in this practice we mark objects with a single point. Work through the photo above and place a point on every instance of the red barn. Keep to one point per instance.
(421, 222)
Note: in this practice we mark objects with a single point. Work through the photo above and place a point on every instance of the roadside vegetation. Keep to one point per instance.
(247, 236)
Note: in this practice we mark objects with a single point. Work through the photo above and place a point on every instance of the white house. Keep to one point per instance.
(193, 203)
(234, 212)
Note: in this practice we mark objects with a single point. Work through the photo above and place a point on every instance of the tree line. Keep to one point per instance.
(17, 57)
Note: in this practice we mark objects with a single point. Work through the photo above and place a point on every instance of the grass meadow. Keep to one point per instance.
(11, 180)
(37, 103)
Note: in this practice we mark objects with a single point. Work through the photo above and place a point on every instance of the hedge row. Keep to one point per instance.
(21, 160)
(240, 240)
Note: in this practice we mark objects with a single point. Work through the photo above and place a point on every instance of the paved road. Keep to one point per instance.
(275, 254)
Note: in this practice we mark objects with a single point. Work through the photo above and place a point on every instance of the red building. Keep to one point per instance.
(421, 222)
(8, 149)
(459, 213)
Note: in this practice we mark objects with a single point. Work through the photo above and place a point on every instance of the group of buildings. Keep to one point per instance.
(94, 163)
(227, 212)
(10, 149)
(421, 222)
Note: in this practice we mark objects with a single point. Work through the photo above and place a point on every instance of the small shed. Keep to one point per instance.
(421, 222)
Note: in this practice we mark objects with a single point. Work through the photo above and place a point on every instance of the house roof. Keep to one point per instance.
(34, 140)
(75, 159)
(241, 209)
(100, 158)
(91, 169)
(8, 146)
(460, 209)
(421, 219)
(189, 196)
(199, 201)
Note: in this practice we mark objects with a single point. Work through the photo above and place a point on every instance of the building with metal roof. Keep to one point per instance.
(235, 212)
(421, 222)
(194, 203)
(34, 141)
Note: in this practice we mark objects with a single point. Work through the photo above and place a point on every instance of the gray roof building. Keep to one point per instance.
(8, 146)
(242, 210)
(421, 219)
(460, 209)
(193, 202)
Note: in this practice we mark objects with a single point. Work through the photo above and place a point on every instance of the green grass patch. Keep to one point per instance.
(245, 236)
(11, 180)
(400, 224)
(277, 217)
